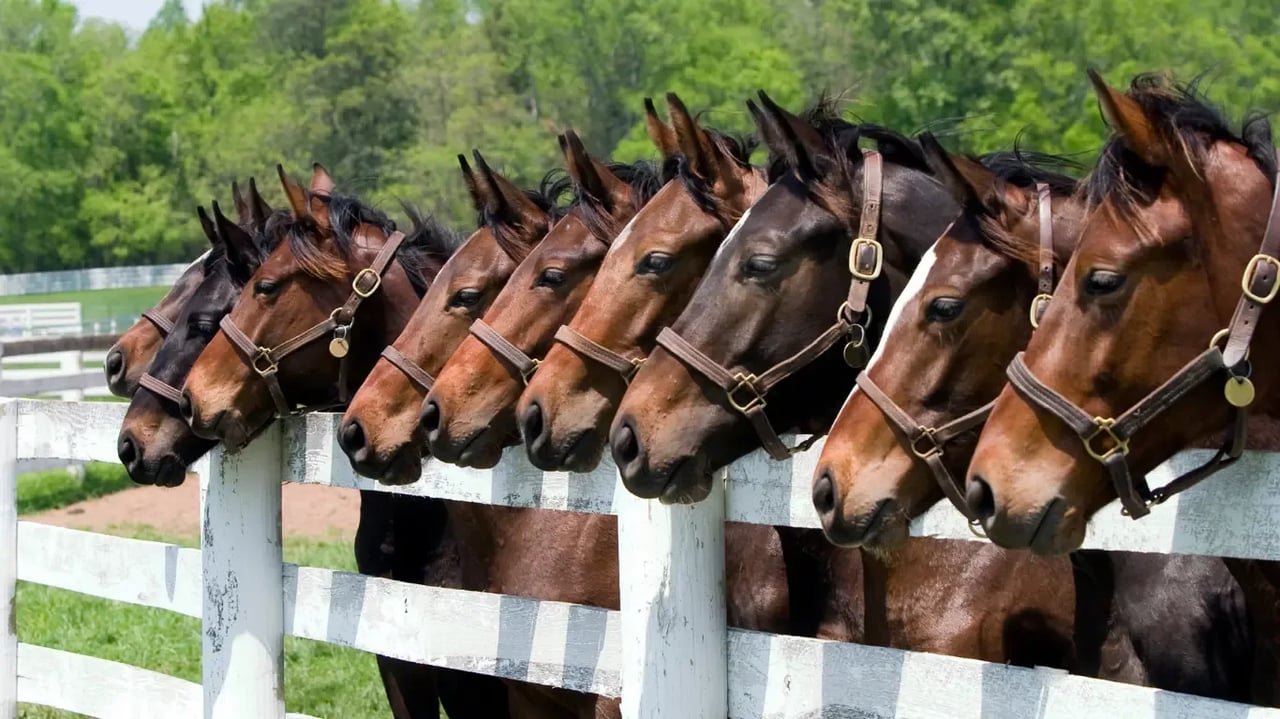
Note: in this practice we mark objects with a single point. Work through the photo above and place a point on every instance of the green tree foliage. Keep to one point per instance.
(110, 136)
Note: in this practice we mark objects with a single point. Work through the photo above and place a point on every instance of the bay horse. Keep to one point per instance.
(379, 431)
(643, 282)
(400, 537)
(767, 300)
(971, 304)
(1179, 205)
(469, 417)
(129, 357)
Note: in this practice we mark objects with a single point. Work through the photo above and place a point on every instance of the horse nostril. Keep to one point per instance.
(980, 498)
(824, 493)
(128, 450)
(114, 364)
(186, 407)
(430, 417)
(351, 437)
(625, 446)
(531, 424)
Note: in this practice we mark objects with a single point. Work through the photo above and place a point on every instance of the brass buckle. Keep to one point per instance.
(526, 374)
(853, 259)
(1103, 425)
(1036, 302)
(934, 448)
(636, 363)
(263, 370)
(366, 272)
(747, 380)
(1251, 269)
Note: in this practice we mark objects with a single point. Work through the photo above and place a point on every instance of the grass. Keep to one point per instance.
(50, 489)
(98, 304)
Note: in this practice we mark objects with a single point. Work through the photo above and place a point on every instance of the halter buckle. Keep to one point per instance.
(525, 374)
(365, 274)
(1251, 269)
(1103, 425)
(1037, 302)
(636, 363)
(934, 447)
(854, 268)
(748, 381)
(263, 363)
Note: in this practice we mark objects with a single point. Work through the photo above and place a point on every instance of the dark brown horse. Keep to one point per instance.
(771, 292)
(469, 416)
(967, 309)
(643, 284)
(131, 355)
(1180, 204)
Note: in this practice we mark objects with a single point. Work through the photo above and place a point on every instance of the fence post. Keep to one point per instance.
(8, 559)
(671, 578)
(243, 615)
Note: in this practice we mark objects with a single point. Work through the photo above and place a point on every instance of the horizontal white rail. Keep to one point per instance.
(99, 687)
(96, 278)
(1230, 515)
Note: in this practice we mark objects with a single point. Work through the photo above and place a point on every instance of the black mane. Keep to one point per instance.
(427, 247)
(644, 179)
(1026, 169)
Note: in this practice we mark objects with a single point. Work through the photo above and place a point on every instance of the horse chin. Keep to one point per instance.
(582, 454)
(688, 483)
(404, 468)
(482, 451)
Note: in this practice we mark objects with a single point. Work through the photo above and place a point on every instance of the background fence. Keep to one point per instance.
(96, 278)
(667, 652)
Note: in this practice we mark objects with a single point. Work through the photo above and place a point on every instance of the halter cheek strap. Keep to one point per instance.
(745, 391)
(589, 348)
(418, 376)
(266, 361)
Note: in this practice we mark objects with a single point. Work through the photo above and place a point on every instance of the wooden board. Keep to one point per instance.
(101, 688)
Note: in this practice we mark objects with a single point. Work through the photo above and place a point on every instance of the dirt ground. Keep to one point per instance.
(309, 511)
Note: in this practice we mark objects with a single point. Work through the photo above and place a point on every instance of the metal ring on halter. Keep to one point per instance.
(1036, 303)
(846, 309)
(271, 366)
(525, 374)
(1221, 335)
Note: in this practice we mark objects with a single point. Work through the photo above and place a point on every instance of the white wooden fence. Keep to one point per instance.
(41, 318)
(96, 278)
(667, 652)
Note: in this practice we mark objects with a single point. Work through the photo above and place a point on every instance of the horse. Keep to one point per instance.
(908, 428)
(469, 417)
(132, 353)
(379, 431)
(334, 245)
(643, 283)
(1179, 202)
(767, 302)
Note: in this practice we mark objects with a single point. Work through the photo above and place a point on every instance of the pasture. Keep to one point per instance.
(98, 305)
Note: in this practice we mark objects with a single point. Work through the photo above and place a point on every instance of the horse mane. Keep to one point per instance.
(736, 147)
(548, 196)
(643, 177)
(265, 240)
(1188, 121)
(426, 248)
(1025, 169)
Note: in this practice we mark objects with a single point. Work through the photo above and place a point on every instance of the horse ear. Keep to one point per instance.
(593, 179)
(799, 143)
(663, 137)
(506, 202)
(946, 171)
(694, 141)
(294, 193)
(244, 214)
(259, 210)
(1127, 118)
(972, 184)
(476, 188)
(321, 189)
(207, 225)
(242, 253)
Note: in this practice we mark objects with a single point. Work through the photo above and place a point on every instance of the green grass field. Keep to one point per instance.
(320, 679)
(98, 304)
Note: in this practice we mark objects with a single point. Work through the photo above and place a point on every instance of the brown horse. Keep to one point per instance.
(379, 431)
(643, 283)
(966, 311)
(469, 415)
(129, 357)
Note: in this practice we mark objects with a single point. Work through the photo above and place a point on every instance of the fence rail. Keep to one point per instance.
(672, 589)
(95, 278)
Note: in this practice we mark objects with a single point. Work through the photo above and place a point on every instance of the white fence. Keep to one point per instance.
(667, 652)
(47, 318)
(71, 375)
(97, 278)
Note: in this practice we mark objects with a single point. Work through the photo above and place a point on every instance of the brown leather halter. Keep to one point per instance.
(523, 364)
(418, 376)
(1258, 287)
(589, 348)
(163, 324)
(165, 327)
(745, 390)
(266, 361)
(928, 443)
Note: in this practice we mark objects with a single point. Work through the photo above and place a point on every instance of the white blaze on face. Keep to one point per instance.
(909, 294)
(733, 232)
(199, 260)
(622, 236)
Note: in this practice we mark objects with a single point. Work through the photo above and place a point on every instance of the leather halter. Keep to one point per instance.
(266, 361)
(418, 376)
(589, 348)
(928, 443)
(1258, 287)
(504, 350)
(163, 324)
(745, 390)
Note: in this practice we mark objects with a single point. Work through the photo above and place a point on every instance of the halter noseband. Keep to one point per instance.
(266, 361)
(928, 443)
(745, 390)
(1258, 287)
(163, 324)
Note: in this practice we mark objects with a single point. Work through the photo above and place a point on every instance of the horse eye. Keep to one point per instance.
(656, 263)
(760, 265)
(944, 309)
(1103, 282)
(551, 277)
(202, 325)
(265, 287)
(466, 297)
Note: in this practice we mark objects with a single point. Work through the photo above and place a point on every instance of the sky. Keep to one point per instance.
(133, 13)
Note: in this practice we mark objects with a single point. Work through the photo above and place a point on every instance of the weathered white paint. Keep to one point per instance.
(151, 574)
(243, 613)
(779, 676)
(8, 559)
(101, 688)
(671, 580)
(549, 643)
(79, 431)
(42, 318)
